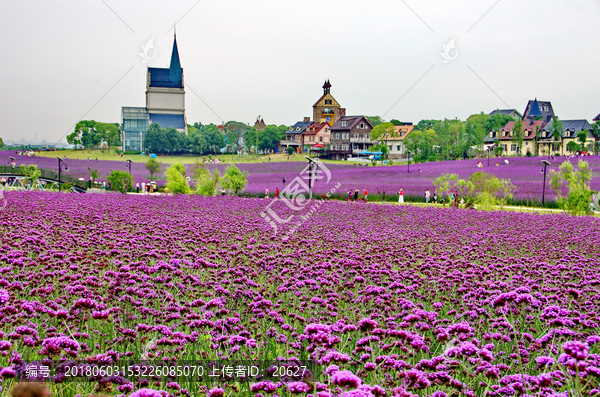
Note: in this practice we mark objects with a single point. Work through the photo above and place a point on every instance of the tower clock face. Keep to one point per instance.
(328, 119)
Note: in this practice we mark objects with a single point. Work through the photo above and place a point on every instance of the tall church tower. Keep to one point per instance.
(327, 109)
(165, 94)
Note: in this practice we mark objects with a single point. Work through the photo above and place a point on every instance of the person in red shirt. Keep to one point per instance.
(277, 193)
(365, 194)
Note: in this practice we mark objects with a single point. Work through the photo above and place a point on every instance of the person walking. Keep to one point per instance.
(277, 193)
(349, 195)
(366, 197)
(355, 195)
(401, 196)
(137, 187)
(267, 193)
(427, 196)
(435, 197)
(284, 180)
(143, 187)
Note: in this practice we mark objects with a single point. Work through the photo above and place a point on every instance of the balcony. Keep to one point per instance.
(362, 140)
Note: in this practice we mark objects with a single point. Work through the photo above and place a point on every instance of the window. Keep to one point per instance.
(320, 139)
(327, 101)
(337, 147)
(327, 110)
(526, 143)
(344, 123)
(337, 135)
(513, 147)
(362, 125)
(398, 147)
(355, 135)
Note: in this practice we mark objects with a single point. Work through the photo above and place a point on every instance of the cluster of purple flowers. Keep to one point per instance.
(449, 302)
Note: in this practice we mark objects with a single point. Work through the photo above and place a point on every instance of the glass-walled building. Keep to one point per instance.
(165, 104)
(135, 124)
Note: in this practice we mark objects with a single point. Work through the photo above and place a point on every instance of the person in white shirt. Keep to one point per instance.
(427, 196)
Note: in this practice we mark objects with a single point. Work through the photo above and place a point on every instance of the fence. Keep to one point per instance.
(7, 170)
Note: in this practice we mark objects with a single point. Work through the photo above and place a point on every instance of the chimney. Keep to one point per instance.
(306, 119)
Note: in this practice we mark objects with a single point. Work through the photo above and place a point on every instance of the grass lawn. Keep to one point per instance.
(83, 154)
(512, 208)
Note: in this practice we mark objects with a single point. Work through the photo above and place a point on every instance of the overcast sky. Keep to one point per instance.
(64, 61)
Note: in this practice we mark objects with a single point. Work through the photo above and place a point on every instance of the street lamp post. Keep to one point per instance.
(408, 161)
(311, 167)
(546, 163)
(129, 161)
(61, 162)
(488, 150)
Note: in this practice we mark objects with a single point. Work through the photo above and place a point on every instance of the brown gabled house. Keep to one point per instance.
(350, 135)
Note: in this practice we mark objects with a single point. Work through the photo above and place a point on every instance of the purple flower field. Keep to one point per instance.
(524, 173)
(386, 300)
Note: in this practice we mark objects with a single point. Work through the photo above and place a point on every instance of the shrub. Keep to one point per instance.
(176, 179)
(234, 179)
(120, 181)
(580, 195)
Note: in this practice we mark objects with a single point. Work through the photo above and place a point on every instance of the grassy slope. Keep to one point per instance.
(187, 159)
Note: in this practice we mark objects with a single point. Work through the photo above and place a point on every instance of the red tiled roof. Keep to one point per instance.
(529, 129)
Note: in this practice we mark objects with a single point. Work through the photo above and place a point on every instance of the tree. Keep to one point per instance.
(557, 132)
(518, 135)
(176, 179)
(573, 147)
(582, 138)
(596, 133)
(234, 179)
(199, 170)
(375, 120)
(120, 181)
(578, 182)
(382, 132)
(445, 184)
(478, 130)
(207, 185)
(426, 124)
(94, 175)
(490, 190)
(31, 173)
(1, 143)
(153, 167)
(196, 140)
(421, 142)
(268, 138)
(496, 122)
(290, 150)
(380, 147)
(395, 122)
(90, 133)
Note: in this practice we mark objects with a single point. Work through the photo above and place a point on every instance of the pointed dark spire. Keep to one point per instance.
(326, 87)
(535, 109)
(175, 68)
